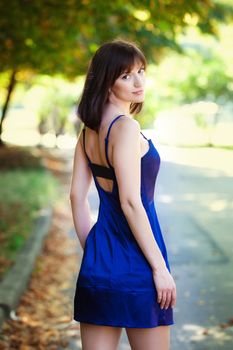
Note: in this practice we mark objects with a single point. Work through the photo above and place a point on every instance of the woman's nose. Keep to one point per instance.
(138, 81)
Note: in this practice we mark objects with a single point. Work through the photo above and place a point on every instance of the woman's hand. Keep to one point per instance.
(165, 286)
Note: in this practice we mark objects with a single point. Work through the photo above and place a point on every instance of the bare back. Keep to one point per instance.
(95, 147)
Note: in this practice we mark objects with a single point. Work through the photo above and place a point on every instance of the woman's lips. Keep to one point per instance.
(139, 92)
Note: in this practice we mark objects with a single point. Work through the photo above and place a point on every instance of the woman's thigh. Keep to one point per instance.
(156, 338)
(95, 337)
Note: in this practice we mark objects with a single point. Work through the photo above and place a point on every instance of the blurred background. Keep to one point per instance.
(45, 48)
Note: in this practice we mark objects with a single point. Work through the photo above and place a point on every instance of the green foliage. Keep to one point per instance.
(31, 188)
(60, 37)
(54, 111)
(185, 79)
(147, 115)
(206, 79)
(22, 193)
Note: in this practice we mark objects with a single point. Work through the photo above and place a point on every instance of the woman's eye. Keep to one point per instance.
(126, 76)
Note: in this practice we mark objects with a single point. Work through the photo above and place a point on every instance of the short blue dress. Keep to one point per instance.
(115, 286)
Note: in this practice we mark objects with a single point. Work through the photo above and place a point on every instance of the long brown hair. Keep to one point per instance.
(108, 63)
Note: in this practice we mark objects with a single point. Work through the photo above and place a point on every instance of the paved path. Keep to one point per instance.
(194, 202)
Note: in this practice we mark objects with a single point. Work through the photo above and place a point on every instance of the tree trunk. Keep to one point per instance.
(7, 101)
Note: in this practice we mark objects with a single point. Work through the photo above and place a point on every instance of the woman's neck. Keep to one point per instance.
(116, 108)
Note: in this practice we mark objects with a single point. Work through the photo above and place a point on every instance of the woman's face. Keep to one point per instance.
(130, 86)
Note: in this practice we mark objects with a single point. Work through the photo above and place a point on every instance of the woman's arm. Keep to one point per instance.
(80, 185)
(127, 166)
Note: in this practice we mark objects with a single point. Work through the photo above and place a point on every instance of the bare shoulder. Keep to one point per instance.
(127, 127)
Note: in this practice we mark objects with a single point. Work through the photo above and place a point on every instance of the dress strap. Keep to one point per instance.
(144, 136)
(84, 145)
(106, 138)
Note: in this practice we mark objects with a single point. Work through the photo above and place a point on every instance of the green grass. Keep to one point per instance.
(22, 193)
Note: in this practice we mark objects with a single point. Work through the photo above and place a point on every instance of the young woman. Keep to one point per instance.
(124, 278)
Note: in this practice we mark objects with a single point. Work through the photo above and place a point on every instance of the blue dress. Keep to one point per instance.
(115, 286)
